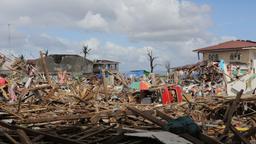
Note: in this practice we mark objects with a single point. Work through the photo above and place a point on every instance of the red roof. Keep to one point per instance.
(234, 44)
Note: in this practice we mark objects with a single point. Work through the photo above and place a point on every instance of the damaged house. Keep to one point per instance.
(109, 65)
(69, 62)
(238, 60)
(235, 53)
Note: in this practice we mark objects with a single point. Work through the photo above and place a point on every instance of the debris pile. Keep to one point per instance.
(38, 108)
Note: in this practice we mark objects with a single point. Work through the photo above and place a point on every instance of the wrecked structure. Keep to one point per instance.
(237, 60)
(109, 65)
(225, 69)
(235, 53)
(66, 62)
(90, 110)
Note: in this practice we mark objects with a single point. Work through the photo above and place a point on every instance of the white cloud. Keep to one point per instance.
(93, 22)
(161, 20)
(144, 20)
(24, 20)
(172, 28)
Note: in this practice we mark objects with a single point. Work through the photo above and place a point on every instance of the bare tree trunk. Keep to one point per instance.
(151, 60)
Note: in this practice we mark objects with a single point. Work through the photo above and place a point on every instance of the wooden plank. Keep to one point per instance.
(163, 115)
(48, 136)
(45, 69)
(10, 112)
(147, 116)
(120, 79)
(10, 138)
(23, 137)
(250, 132)
(239, 136)
(105, 86)
(37, 138)
(64, 117)
(230, 111)
(96, 132)
(86, 131)
(208, 139)
(115, 139)
(162, 124)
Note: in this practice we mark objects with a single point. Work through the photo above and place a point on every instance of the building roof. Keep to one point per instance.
(105, 62)
(189, 66)
(33, 61)
(229, 45)
(73, 55)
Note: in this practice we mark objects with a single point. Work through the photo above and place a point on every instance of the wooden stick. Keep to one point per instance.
(230, 111)
(10, 138)
(239, 136)
(104, 81)
(24, 137)
(45, 69)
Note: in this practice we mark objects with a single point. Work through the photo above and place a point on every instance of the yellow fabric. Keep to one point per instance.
(4, 92)
(242, 129)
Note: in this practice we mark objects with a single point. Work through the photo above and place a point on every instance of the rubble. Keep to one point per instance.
(122, 110)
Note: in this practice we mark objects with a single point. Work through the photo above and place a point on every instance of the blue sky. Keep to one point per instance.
(123, 30)
(233, 17)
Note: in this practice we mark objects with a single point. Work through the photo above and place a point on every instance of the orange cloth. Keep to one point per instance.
(144, 85)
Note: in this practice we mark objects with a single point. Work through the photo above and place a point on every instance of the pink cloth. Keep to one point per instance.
(62, 77)
(12, 92)
(2, 81)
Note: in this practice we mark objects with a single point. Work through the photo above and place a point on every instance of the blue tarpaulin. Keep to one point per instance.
(137, 73)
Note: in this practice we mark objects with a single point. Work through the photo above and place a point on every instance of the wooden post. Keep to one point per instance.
(24, 137)
(10, 138)
(239, 136)
(230, 111)
(45, 69)
(153, 76)
(104, 81)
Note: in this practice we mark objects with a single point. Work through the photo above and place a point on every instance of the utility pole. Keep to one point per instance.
(9, 36)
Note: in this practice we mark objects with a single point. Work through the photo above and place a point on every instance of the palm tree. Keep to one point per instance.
(86, 51)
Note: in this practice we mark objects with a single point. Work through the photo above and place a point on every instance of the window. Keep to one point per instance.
(235, 56)
(213, 57)
(57, 58)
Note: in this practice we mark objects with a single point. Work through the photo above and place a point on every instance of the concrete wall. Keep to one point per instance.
(72, 64)
(244, 57)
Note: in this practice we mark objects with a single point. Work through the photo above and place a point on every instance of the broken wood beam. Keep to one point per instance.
(45, 69)
(10, 138)
(63, 117)
(239, 136)
(23, 137)
(148, 116)
(37, 138)
(48, 136)
(105, 86)
(96, 132)
(163, 115)
(230, 111)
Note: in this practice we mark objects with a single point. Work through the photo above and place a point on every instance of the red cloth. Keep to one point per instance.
(167, 98)
(179, 93)
(2, 81)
